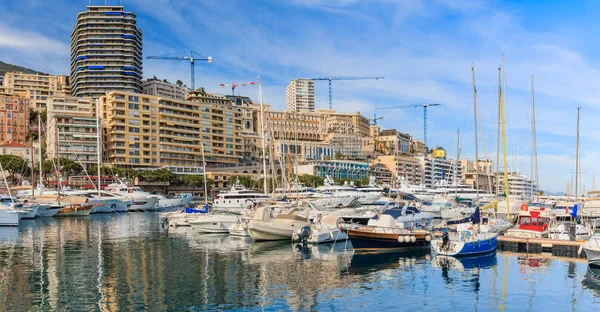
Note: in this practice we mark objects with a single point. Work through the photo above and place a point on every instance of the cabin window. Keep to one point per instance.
(534, 221)
(525, 220)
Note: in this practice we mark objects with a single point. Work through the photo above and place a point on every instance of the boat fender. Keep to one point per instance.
(413, 239)
(406, 239)
(524, 207)
(400, 239)
(428, 238)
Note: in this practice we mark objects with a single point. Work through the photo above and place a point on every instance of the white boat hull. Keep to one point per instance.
(79, 213)
(327, 236)
(525, 233)
(9, 217)
(592, 253)
(239, 229)
(50, 211)
(142, 204)
(32, 212)
(214, 223)
(166, 204)
(271, 231)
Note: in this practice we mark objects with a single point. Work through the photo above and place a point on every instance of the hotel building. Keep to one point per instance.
(14, 118)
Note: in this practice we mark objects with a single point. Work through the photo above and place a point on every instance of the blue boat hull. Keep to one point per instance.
(478, 247)
(381, 244)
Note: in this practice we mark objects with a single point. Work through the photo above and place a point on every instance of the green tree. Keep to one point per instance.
(339, 155)
(311, 180)
(197, 180)
(70, 167)
(247, 182)
(14, 165)
(159, 175)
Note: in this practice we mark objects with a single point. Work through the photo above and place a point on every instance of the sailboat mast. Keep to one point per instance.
(456, 162)
(534, 164)
(577, 158)
(40, 151)
(262, 130)
(498, 139)
(32, 172)
(506, 186)
(99, 147)
(58, 171)
(476, 138)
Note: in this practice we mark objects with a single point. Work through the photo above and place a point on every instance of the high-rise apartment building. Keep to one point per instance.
(300, 95)
(14, 118)
(165, 89)
(106, 52)
(146, 131)
(36, 87)
(72, 120)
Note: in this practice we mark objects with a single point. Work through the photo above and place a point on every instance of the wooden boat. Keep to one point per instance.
(532, 222)
(72, 206)
(387, 236)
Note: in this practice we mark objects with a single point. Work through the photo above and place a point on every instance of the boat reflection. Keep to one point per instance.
(591, 279)
(9, 236)
(464, 263)
(369, 262)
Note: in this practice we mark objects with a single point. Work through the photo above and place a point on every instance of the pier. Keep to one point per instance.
(560, 248)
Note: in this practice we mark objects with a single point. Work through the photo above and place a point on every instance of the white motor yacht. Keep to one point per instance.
(141, 200)
(569, 230)
(215, 222)
(592, 245)
(26, 210)
(239, 198)
(263, 227)
(325, 230)
(439, 205)
(348, 191)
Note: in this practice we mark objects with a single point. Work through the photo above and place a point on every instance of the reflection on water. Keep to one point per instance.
(126, 262)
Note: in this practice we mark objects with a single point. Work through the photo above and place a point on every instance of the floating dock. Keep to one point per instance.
(560, 248)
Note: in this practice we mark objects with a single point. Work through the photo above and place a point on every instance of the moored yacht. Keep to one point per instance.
(532, 222)
(141, 201)
(348, 191)
(263, 227)
(238, 198)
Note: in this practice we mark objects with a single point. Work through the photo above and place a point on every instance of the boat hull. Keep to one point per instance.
(268, 231)
(214, 224)
(50, 211)
(593, 255)
(327, 236)
(143, 204)
(32, 212)
(485, 244)
(9, 217)
(239, 229)
(525, 233)
(369, 240)
(65, 212)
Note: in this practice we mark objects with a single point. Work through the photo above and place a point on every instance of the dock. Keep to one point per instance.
(560, 248)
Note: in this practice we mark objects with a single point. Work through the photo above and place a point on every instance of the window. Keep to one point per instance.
(134, 106)
(132, 98)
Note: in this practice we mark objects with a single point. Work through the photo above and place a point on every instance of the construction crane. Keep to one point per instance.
(343, 78)
(424, 116)
(375, 118)
(192, 57)
(235, 85)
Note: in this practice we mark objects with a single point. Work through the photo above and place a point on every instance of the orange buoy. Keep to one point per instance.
(524, 207)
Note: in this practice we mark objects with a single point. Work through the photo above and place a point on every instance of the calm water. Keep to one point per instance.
(126, 262)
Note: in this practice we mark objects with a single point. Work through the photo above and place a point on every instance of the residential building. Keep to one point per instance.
(36, 87)
(437, 169)
(518, 185)
(22, 150)
(343, 169)
(349, 145)
(381, 174)
(392, 141)
(485, 173)
(417, 147)
(402, 166)
(346, 123)
(106, 52)
(14, 118)
(73, 129)
(165, 89)
(145, 131)
(300, 95)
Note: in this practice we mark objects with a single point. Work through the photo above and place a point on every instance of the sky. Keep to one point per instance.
(424, 49)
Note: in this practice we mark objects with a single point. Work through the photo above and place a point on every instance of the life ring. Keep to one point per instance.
(524, 207)
(567, 210)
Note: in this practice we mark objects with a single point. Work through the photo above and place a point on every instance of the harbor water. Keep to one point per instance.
(127, 262)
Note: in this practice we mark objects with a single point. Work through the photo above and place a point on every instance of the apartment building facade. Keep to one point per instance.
(14, 118)
(72, 130)
(106, 52)
(300, 95)
(145, 131)
(164, 89)
(402, 166)
(36, 87)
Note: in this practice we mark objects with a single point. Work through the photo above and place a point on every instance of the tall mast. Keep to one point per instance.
(456, 162)
(99, 146)
(498, 139)
(58, 171)
(32, 171)
(475, 128)
(41, 183)
(503, 123)
(577, 158)
(262, 130)
(534, 164)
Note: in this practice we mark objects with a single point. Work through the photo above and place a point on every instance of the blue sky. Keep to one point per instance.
(425, 49)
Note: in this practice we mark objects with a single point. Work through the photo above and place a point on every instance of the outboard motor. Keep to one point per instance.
(302, 235)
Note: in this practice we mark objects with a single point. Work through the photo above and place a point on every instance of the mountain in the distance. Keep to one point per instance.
(5, 67)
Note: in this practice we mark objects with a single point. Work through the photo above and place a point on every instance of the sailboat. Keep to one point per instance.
(466, 240)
